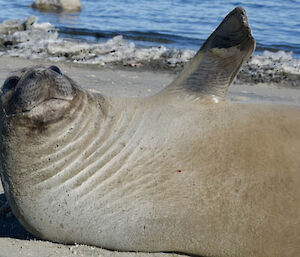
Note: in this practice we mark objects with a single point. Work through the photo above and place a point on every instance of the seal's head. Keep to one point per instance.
(38, 94)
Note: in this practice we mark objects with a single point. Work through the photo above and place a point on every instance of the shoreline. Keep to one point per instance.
(41, 41)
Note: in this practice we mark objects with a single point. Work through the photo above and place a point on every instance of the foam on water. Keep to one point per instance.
(30, 39)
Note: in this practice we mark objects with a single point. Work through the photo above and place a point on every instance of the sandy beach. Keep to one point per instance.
(140, 82)
(130, 82)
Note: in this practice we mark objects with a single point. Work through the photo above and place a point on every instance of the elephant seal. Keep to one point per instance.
(183, 171)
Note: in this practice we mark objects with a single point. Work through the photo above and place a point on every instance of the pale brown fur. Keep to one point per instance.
(184, 170)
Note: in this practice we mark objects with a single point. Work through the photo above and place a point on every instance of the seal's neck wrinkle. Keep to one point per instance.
(102, 146)
(79, 148)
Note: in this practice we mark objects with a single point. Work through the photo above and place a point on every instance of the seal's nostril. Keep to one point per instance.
(56, 69)
(10, 84)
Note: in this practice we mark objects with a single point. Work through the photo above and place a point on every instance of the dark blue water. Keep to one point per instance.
(173, 23)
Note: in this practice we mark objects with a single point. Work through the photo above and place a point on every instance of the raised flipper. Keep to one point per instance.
(218, 61)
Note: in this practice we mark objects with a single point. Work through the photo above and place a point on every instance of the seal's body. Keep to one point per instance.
(184, 170)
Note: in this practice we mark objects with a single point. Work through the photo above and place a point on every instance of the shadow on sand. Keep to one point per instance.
(10, 226)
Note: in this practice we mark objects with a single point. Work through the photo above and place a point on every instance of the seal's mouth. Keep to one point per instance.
(39, 94)
(51, 103)
(45, 111)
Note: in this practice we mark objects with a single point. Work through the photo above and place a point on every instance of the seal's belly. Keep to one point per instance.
(194, 184)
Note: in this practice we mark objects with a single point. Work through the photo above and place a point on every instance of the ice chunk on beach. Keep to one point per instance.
(272, 67)
(31, 39)
(281, 61)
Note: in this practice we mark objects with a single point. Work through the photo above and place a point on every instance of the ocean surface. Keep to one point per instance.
(178, 24)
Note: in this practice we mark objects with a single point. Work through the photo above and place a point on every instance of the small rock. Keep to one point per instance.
(11, 26)
(57, 5)
(129, 64)
(29, 22)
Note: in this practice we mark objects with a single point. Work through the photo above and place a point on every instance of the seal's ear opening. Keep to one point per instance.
(10, 83)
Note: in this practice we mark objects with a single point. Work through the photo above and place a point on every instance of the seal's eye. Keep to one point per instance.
(56, 69)
(32, 75)
(10, 83)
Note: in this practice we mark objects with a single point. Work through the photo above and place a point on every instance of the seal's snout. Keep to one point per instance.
(36, 86)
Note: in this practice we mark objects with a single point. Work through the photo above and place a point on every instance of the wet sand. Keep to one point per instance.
(14, 240)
